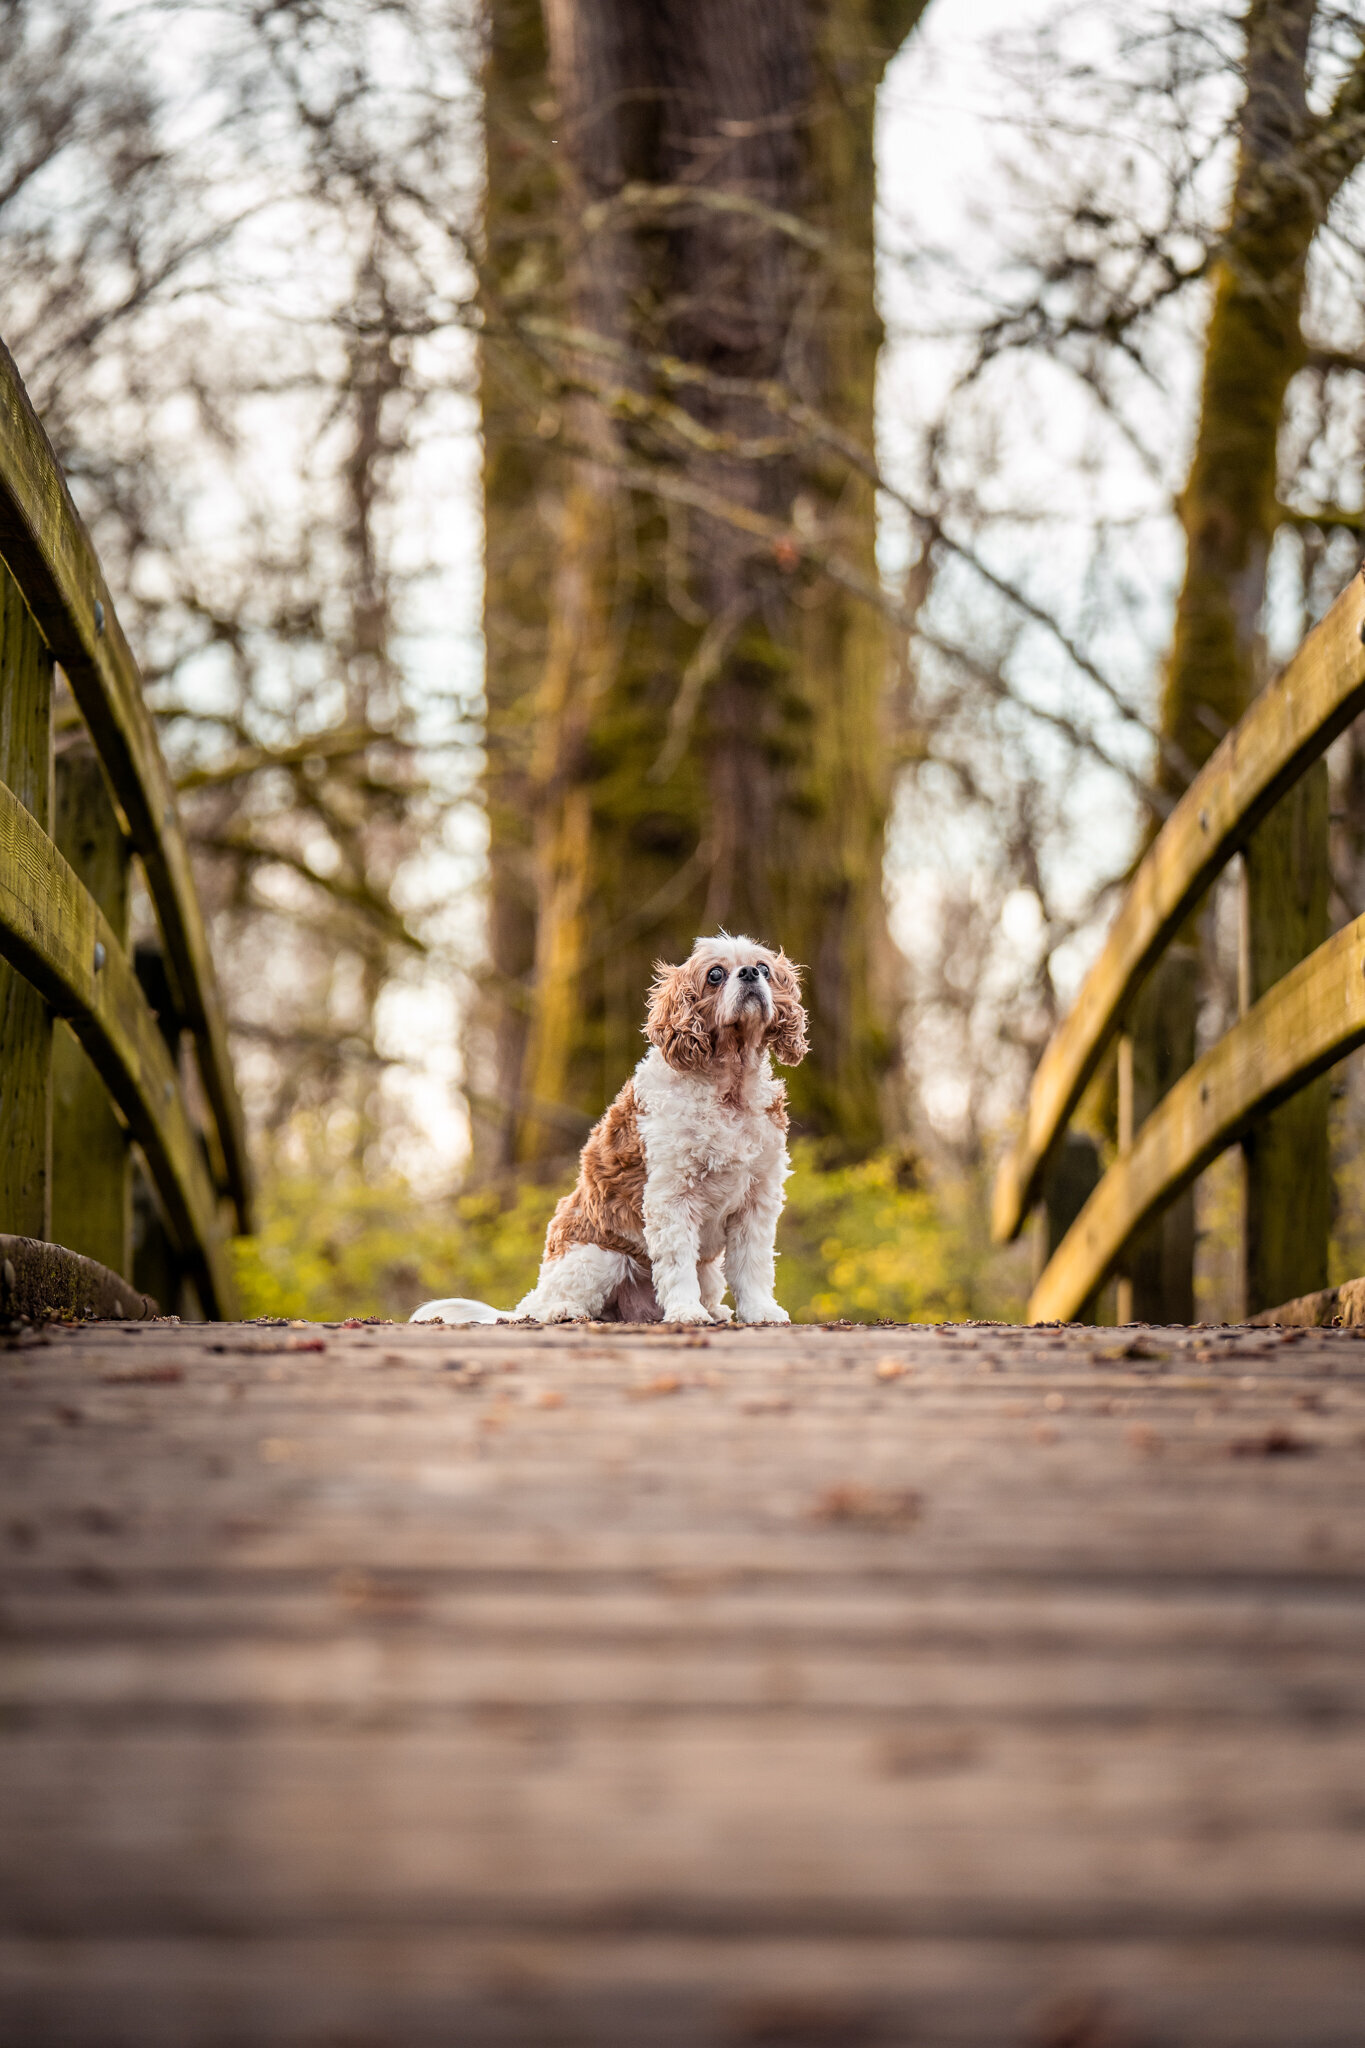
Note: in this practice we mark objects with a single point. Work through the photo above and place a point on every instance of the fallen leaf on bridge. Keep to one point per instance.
(875, 1507)
(1275, 1442)
(666, 1383)
(142, 1375)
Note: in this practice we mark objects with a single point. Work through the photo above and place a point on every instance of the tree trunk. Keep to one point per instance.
(520, 267)
(1229, 511)
(708, 747)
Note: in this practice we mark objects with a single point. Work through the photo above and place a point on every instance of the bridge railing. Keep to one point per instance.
(1301, 1026)
(75, 808)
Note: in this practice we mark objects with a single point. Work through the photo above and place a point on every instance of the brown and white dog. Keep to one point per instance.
(680, 1184)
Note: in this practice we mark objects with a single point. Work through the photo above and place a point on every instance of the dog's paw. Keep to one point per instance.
(686, 1312)
(721, 1313)
(765, 1312)
(532, 1308)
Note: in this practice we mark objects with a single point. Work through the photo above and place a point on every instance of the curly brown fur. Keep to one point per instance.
(606, 1204)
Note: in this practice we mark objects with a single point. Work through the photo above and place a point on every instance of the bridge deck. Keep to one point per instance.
(384, 1687)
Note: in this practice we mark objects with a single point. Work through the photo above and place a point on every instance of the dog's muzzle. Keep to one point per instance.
(749, 987)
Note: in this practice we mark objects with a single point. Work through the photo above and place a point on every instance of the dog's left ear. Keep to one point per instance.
(786, 1035)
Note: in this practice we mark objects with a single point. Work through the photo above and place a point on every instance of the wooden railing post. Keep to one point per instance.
(25, 1021)
(158, 1268)
(1156, 1276)
(91, 1167)
(1070, 1178)
(1288, 1213)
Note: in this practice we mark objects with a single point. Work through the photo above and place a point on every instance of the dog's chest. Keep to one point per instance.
(696, 1141)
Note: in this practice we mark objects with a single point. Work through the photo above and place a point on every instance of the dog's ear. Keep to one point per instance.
(674, 1021)
(786, 1034)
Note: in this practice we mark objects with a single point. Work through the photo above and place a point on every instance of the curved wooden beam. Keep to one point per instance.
(50, 555)
(1302, 1026)
(1292, 722)
(53, 933)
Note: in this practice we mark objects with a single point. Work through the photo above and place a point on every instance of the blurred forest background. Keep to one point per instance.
(579, 473)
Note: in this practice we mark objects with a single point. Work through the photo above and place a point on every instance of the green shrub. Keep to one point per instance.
(334, 1246)
(857, 1242)
(884, 1239)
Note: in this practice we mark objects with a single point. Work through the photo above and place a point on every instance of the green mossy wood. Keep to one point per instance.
(25, 1024)
(1308, 1021)
(52, 931)
(1288, 1212)
(684, 720)
(50, 555)
(92, 1193)
(63, 921)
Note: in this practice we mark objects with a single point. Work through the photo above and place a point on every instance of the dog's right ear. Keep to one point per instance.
(674, 1021)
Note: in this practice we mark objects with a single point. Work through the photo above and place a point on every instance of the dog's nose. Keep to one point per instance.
(748, 974)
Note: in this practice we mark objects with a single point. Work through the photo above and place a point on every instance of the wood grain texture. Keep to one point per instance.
(25, 1025)
(92, 1182)
(50, 555)
(52, 931)
(1307, 1021)
(1001, 1688)
(1289, 726)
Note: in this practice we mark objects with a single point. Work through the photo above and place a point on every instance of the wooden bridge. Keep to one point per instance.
(405, 1686)
(1265, 790)
(845, 1688)
(89, 1066)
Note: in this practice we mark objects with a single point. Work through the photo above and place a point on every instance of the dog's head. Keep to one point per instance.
(729, 995)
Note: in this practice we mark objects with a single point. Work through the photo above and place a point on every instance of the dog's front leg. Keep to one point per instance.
(673, 1241)
(750, 1260)
(712, 1278)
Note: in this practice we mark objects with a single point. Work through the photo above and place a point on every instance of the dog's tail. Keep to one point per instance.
(455, 1309)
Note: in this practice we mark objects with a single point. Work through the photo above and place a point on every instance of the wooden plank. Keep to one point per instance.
(1288, 1165)
(92, 1185)
(1300, 1028)
(1289, 726)
(54, 934)
(429, 1987)
(25, 1025)
(537, 1686)
(50, 554)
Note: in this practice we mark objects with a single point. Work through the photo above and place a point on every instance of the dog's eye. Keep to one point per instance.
(764, 972)
(716, 976)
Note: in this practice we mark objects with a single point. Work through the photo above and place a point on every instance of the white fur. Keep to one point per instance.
(713, 1189)
(455, 1309)
(579, 1284)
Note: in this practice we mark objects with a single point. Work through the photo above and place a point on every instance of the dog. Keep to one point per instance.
(680, 1184)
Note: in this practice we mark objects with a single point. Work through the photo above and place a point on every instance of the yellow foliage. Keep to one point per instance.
(854, 1243)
